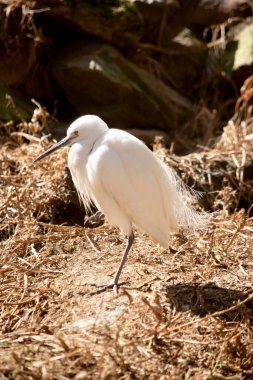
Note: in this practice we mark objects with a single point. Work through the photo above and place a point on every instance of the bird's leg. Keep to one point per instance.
(123, 260)
(114, 285)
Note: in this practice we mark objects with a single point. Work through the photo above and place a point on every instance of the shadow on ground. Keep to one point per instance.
(208, 299)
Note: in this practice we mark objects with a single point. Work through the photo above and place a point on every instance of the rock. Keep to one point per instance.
(209, 12)
(15, 108)
(31, 34)
(22, 53)
(163, 20)
(123, 23)
(98, 79)
(185, 78)
(170, 66)
(237, 59)
(244, 52)
(17, 51)
(152, 12)
(115, 21)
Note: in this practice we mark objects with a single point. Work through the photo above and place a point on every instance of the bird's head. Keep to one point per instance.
(83, 128)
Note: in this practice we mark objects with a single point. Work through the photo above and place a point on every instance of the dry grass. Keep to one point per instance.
(184, 313)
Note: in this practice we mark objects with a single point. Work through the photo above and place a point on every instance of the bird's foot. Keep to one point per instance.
(103, 288)
(113, 286)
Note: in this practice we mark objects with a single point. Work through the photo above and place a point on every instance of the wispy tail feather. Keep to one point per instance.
(188, 218)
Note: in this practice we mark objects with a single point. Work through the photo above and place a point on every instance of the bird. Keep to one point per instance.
(121, 176)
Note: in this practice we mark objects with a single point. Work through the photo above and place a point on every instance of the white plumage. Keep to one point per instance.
(123, 178)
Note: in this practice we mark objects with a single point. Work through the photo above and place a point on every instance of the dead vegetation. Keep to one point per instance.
(183, 313)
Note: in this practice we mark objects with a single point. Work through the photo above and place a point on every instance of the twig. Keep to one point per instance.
(92, 243)
(163, 23)
(234, 235)
(217, 313)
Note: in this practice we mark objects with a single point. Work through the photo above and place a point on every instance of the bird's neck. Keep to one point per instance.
(79, 153)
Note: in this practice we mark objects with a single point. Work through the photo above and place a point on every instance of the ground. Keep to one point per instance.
(181, 313)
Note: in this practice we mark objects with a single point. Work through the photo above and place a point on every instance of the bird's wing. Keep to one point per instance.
(124, 170)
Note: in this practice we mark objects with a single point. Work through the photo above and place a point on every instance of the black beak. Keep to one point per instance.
(65, 141)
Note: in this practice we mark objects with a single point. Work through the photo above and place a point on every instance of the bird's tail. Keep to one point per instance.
(187, 217)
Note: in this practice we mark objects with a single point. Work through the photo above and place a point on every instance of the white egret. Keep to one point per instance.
(127, 182)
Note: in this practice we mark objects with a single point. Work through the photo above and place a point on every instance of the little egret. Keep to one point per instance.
(127, 182)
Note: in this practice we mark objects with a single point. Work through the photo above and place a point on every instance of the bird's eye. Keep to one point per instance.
(74, 134)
